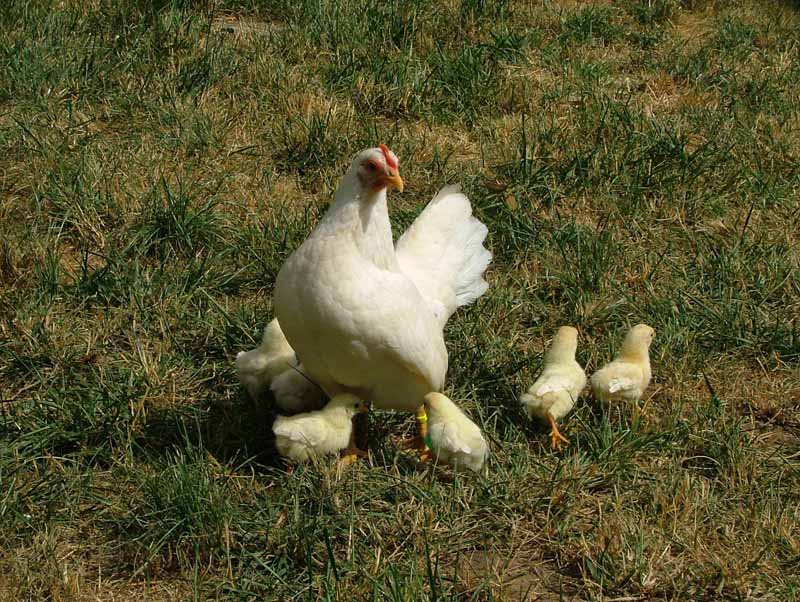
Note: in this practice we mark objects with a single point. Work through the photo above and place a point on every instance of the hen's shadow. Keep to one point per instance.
(232, 430)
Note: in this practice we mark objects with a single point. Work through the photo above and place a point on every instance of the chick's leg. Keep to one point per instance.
(352, 452)
(556, 438)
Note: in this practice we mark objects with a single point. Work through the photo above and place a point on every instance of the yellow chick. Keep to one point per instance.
(627, 377)
(452, 437)
(556, 390)
(257, 368)
(325, 431)
(294, 391)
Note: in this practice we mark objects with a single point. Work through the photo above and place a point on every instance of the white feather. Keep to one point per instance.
(555, 383)
(443, 253)
(620, 384)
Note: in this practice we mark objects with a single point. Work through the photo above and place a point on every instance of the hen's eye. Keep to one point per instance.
(371, 166)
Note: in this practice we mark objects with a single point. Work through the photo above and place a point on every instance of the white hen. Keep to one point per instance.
(554, 393)
(257, 368)
(452, 437)
(326, 431)
(366, 317)
(627, 377)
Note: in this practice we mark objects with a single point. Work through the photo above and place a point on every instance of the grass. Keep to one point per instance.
(634, 161)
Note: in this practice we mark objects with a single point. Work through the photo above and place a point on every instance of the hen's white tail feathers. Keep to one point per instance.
(443, 253)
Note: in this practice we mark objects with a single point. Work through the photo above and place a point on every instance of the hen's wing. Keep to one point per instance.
(392, 325)
(443, 253)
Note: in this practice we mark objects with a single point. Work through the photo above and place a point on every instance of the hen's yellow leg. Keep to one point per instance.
(418, 443)
(556, 438)
(422, 432)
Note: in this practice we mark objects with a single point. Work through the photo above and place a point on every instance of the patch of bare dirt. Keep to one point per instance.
(692, 27)
(512, 576)
(661, 92)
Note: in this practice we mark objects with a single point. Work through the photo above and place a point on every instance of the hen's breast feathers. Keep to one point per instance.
(346, 315)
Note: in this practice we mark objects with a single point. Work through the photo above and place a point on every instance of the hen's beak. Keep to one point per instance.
(392, 179)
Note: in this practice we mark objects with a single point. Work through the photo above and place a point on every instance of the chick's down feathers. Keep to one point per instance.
(561, 381)
(452, 437)
(257, 368)
(294, 391)
(628, 376)
(325, 431)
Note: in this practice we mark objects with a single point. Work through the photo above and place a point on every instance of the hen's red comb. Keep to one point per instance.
(391, 160)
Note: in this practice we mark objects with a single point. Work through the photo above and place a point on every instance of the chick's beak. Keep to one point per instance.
(392, 179)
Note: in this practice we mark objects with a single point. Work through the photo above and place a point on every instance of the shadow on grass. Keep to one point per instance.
(238, 432)
(233, 432)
